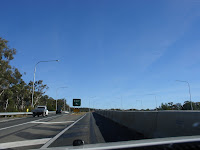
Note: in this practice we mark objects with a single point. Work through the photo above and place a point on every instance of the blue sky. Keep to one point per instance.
(111, 50)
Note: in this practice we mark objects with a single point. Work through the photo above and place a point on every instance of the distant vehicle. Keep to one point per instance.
(40, 110)
(58, 111)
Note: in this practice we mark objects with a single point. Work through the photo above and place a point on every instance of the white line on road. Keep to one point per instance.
(59, 134)
(25, 123)
(23, 143)
(10, 119)
(50, 122)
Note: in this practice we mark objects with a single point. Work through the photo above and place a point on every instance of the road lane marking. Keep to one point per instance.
(25, 123)
(10, 119)
(59, 134)
(23, 143)
(51, 122)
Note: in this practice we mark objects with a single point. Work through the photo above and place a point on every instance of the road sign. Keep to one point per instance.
(76, 110)
(76, 102)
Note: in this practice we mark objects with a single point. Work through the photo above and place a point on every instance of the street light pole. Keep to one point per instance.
(34, 77)
(89, 101)
(141, 103)
(155, 99)
(64, 104)
(189, 92)
(57, 95)
(120, 101)
(156, 103)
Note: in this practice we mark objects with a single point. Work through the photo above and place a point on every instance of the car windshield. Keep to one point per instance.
(99, 73)
(41, 107)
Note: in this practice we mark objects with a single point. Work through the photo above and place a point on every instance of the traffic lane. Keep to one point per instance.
(48, 121)
(13, 117)
(94, 128)
(37, 131)
(114, 132)
(8, 131)
(86, 130)
(20, 121)
(5, 119)
(11, 128)
(28, 144)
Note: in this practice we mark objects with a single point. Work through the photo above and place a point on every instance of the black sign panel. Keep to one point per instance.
(76, 102)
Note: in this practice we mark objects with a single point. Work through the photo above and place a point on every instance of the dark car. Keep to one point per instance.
(58, 111)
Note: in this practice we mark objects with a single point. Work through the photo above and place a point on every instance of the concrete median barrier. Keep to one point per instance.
(154, 124)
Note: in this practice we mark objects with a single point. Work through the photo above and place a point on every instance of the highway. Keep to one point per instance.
(60, 130)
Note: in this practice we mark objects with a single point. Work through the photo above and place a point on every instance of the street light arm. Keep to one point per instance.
(182, 81)
(62, 87)
(44, 61)
(189, 92)
(34, 77)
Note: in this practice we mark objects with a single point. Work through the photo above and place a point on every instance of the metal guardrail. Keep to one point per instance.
(20, 113)
(51, 112)
(14, 113)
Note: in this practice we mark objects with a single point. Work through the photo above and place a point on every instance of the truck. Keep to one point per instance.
(40, 110)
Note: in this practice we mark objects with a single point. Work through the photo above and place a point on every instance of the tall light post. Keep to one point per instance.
(141, 103)
(64, 103)
(34, 76)
(155, 100)
(114, 104)
(189, 92)
(69, 101)
(89, 101)
(120, 101)
(101, 105)
(57, 94)
(65, 100)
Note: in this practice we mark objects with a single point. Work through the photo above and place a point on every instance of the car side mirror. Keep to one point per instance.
(78, 142)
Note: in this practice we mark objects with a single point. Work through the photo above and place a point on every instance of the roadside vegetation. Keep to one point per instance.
(169, 106)
(15, 93)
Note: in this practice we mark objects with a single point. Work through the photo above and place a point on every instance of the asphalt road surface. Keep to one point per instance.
(60, 130)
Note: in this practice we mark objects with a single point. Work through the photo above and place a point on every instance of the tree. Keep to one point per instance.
(40, 89)
(187, 105)
(61, 104)
(197, 106)
(15, 94)
(164, 106)
(177, 106)
(170, 106)
(6, 73)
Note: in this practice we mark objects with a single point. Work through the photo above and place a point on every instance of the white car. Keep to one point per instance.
(40, 110)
